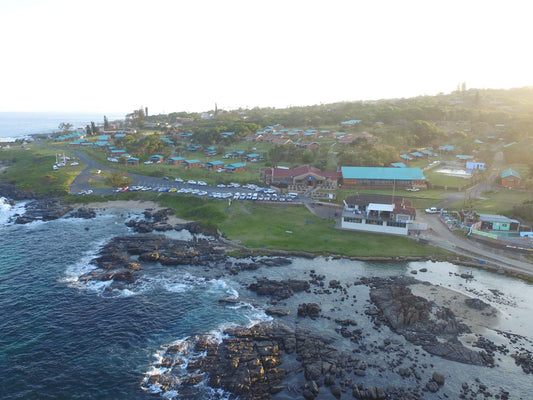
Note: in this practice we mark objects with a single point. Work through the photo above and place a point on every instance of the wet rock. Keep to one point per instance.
(432, 386)
(278, 290)
(83, 212)
(476, 304)
(43, 210)
(420, 321)
(438, 377)
(311, 310)
(277, 311)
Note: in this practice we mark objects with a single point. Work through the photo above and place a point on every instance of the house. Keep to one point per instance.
(351, 122)
(226, 134)
(398, 165)
(473, 166)
(301, 178)
(176, 160)
(194, 148)
(377, 213)
(382, 177)
(510, 178)
(253, 157)
(132, 161)
(489, 222)
(237, 167)
(157, 159)
(417, 154)
(117, 152)
(447, 147)
(464, 157)
(215, 165)
(237, 154)
(406, 157)
(192, 163)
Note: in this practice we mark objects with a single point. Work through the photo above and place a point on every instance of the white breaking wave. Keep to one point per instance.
(7, 210)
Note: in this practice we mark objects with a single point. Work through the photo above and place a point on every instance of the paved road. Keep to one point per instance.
(439, 235)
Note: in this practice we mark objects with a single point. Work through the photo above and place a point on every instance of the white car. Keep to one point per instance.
(202, 183)
(432, 210)
(413, 189)
(191, 182)
(74, 164)
(178, 180)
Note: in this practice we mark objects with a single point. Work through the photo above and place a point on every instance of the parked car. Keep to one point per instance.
(413, 189)
(432, 210)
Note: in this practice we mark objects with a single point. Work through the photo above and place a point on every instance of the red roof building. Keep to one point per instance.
(302, 178)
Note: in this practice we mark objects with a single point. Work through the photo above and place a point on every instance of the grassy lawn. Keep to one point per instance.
(31, 170)
(451, 182)
(497, 202)
(295, 228)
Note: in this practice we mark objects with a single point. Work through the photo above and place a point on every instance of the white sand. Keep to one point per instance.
(476, 320)
(132, 205)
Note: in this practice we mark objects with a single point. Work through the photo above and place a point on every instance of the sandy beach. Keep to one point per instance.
(476, 320)
(132, 205)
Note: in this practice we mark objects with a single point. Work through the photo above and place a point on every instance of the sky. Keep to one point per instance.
(186, 55)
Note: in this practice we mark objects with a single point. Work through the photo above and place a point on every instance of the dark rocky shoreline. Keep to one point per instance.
(256, 362)
(284, 360)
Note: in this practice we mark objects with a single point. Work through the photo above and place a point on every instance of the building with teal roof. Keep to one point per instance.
(214, 164)
(382, 177)
(447, 147)
(236, 167)
(510, 178)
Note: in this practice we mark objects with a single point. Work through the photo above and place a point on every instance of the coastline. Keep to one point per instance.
(136, 205)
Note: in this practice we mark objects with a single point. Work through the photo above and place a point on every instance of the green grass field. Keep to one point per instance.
(31, 170)
(290, 227)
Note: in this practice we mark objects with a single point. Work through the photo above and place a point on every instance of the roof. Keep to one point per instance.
(447, 147)
(156, 156)
(510, 172)
(398, 165)
(215, 163)
(191, 161)
(176, 158)
(417, 154)
(496, 218)
(382, 173)
(236, 165)
(464, 157)
(406, 157)
(306, 169)
(380, 207)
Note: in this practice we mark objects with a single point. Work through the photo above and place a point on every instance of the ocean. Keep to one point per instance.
(62, 338)
(16, 125)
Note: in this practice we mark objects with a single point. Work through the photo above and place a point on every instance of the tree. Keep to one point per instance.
(88, 130)
(65, 127)
(94, 129)
(119, 179)
(106, 123)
